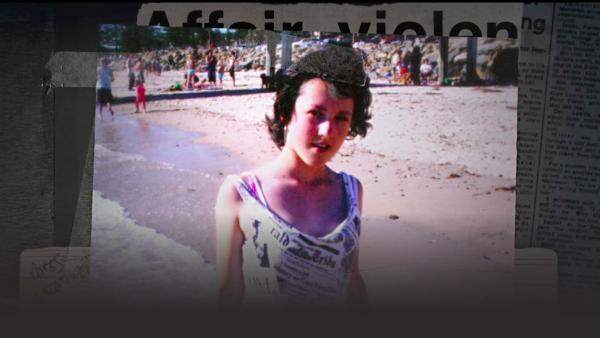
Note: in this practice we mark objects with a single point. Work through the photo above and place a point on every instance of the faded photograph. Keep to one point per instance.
(370, 168)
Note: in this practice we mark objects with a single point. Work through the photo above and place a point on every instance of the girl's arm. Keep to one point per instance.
(229, 246)
(358, 290)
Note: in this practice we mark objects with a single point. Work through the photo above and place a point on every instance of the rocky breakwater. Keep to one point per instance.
(496, 58)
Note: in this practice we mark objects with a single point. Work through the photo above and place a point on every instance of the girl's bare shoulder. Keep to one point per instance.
(228, 192)
(229, 188)
(265, 172)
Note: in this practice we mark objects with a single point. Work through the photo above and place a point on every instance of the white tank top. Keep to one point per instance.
(283, 265)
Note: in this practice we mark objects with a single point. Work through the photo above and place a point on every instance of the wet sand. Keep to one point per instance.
(438, 170)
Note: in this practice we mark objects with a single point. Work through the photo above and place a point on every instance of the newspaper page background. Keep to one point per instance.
(559, 160)
(535, 268)
(434, 19)
(33, 229)
(533, 68)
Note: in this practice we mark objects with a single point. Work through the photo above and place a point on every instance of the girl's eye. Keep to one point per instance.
(316, 113)
(342, 118)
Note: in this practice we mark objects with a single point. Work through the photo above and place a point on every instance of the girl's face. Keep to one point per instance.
(320, 122)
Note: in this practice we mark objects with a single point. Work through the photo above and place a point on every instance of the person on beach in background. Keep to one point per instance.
(426, 71)
(104, 92)
(200, 84)
(190, 70)
(171, 61)
(140, 96)
(211, 68)
(415, 65)
(287, 232)
(221, 70)
(405, 74)
(232, 64)
(435, 72)
(130, 72)
(177, 87)
(395, 64)
(139, 70)
(156, 65)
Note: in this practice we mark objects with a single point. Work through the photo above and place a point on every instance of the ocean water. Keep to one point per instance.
(152, 218)
(162, 178)
(135, 263)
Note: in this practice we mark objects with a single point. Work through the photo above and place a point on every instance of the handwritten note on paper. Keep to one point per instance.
(53, 273)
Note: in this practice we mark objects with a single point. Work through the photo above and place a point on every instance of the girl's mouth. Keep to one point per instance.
(321, 147)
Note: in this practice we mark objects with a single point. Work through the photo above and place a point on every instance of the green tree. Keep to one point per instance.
(110, 38)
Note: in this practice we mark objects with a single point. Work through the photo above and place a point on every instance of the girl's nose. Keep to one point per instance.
(324, 128)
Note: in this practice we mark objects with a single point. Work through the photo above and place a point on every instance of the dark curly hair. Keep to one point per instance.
(342, 67)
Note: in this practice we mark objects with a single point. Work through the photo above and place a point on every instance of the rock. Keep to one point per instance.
(460, 58)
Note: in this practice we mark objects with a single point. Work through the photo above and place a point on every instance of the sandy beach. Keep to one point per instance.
(438, 170)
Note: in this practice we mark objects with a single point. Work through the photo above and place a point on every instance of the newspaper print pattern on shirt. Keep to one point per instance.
(282, 264)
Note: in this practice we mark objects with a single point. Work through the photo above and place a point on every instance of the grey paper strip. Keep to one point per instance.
(73, 69)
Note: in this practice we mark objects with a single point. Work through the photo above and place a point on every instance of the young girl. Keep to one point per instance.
(140, 96)
(288, 231)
